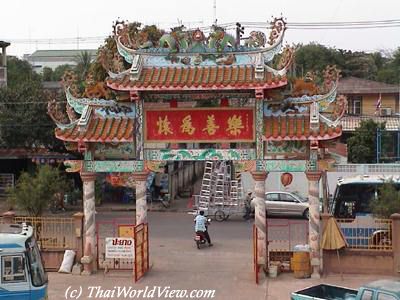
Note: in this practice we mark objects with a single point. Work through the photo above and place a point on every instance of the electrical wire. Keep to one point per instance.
(376, 24)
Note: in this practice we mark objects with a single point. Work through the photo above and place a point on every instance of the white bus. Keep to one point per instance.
(351, 206)
(353, 195)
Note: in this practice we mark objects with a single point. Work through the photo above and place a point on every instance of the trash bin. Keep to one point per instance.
(301, 263)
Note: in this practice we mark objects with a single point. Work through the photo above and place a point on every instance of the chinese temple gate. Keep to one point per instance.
(196, 98)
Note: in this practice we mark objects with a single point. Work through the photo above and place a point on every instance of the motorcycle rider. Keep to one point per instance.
(201, 227)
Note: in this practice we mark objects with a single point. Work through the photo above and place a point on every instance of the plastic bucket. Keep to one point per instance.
(273, 271)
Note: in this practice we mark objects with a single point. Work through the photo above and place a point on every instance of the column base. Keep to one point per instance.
(315, 265)
(315, 275)
(86, 273)
(87, 261)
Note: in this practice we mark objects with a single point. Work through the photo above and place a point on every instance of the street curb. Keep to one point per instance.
(98, 209)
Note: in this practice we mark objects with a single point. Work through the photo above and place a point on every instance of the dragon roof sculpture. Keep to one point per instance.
(193, 48)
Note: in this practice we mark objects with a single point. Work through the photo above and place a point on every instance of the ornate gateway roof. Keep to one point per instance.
(127, 113)
(187, 60)
(178, 78)
(99, 129)
(297, 127)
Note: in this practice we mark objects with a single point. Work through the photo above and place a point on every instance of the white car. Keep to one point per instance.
(285, 203)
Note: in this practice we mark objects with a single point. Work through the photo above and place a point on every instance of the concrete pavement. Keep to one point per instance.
(176, 262)
(228, 283)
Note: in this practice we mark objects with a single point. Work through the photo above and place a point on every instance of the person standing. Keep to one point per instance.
(157, 186)
(247, 204)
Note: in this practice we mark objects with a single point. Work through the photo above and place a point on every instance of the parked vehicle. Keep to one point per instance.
(22, 273)
(285, 203)
(353, 195)
(377, 290)
(351, 207)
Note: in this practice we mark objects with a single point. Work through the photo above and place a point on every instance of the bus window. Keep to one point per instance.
(39, 276)
(13, 269)
(352, 199)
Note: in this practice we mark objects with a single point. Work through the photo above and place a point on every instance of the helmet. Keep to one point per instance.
(249, 191)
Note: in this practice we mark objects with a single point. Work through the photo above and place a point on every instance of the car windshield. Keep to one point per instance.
(39, 276)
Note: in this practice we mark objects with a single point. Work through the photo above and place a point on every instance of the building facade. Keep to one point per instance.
(54, 58)
(377, 101)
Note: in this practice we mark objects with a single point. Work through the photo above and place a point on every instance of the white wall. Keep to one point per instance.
(300, 182)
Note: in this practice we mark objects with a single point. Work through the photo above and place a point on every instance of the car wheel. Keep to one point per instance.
(306, 214)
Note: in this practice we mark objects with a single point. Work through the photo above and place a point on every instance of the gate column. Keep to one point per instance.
(89, 251)
(260, 217)
(314, 221)
(141, 203)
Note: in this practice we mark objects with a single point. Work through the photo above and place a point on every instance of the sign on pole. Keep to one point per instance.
(120, 247)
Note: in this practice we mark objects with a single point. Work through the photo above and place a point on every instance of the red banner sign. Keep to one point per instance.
(202, 125)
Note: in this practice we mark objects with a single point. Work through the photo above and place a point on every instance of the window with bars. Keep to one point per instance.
(355, 105)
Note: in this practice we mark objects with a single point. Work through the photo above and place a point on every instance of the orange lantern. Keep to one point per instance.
(114, 179)
(286, 179)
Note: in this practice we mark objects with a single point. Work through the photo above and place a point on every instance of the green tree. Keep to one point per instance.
(315, 57)
(23, 118)
(60, 70)
(34, 192)
(388, 201)
(360, 64)
(19, 72)
(390, 72)
(83, 61)
(47, 74)
(362, 145)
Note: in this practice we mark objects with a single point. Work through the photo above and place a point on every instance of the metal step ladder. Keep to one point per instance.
(218, 188)
(236, 191)
(205, 191)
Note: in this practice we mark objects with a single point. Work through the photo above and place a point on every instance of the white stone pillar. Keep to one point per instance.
(314, 221)
(260, 217)
(89, 259)
(141, 203)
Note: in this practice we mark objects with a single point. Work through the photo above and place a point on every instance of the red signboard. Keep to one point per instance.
(201, 125)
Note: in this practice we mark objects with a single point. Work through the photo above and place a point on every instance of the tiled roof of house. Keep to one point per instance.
(62, 53)
(293, 128)
(181, 78)
(4, 44)
(21, 153)
(99, 129)
(354, 85)
(351, 123)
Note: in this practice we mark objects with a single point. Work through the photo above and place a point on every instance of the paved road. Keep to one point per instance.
(177, 263)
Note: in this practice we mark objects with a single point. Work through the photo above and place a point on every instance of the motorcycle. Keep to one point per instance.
(199, 238)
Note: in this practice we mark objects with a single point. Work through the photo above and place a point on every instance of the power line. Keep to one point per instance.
(376, 24)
